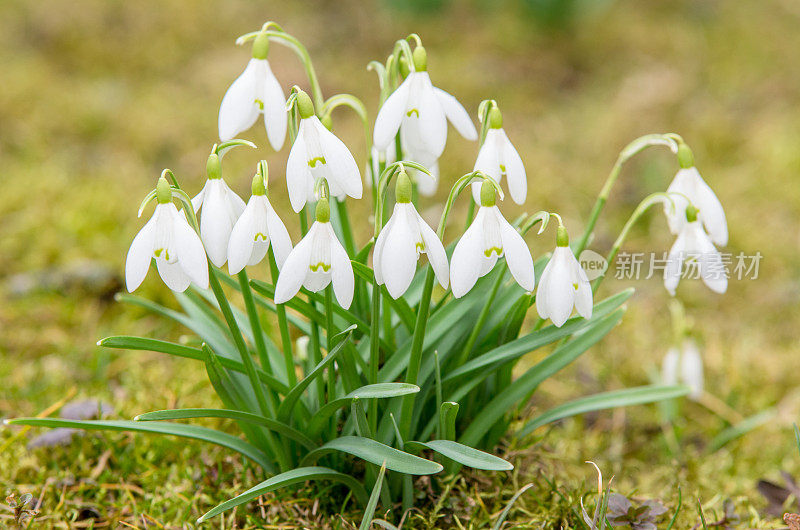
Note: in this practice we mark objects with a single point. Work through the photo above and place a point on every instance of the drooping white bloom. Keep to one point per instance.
(685, 366)
(256, 228)
(694, 247)
(255, 92)
(317, 260)
(489, 237)
(420, 111)
(498, 157)
(405, 236)
(318, 153)
(563, 285)
(221, 208)
(177, 249)
(689, 184)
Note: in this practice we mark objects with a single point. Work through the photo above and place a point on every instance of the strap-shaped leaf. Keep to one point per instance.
(378, 390)
(301, 474)
(509, 398)
(375, 453)
(401, 307)
(286, 407)
(463, 454)
(175, 429)
(606, 400)
(273, 425)
(369, 512)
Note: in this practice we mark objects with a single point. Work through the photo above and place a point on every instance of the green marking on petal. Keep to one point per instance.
(261, 236)
(575, 285)
(421, 247)
(318, 266)
(260, 104)
(502, 168)
(157, 252)
(412, 111)
(313, 162)
(496, 250)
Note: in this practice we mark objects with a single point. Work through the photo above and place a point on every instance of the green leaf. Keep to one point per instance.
(400, 306)
(174, 429)
(741, 428)
(606, 400)
(369, 513)
(509, 398)
(286, 407)
(463, 454)
(274, 425)
(499, 523)
(376, 453)
(301, 474)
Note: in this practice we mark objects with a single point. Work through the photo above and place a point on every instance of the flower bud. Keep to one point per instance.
(420, 59)
(562, 237)
(261, 46)
(495, 118)
(163, 191)
(323, 212)
(213, 167)
(691, 213)
(402, 189)
(685, 156)
(488, 193)
(304, 105)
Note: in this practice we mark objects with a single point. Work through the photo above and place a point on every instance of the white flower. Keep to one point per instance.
(221, 208)
(689, 184)
(400, 243)
(256, 228)
(694, 246)
(563, 285)
(685, 366)
(177, 249)
(489, 237)
(498, 157)
(317, 260)
(255, 92)
(318, 153)
(419, 111)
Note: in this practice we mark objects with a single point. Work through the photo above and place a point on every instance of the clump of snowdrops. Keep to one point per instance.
(369, 375)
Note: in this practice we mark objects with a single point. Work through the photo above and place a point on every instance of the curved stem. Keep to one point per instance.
(283, 325)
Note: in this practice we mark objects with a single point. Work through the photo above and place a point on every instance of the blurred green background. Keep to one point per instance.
(96, 97)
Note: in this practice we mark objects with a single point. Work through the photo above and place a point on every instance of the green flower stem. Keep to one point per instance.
(633, 148)
(643, 206)
(374, 350)
(329, 333)
(283, 325)
(255, 324)
(487, 308)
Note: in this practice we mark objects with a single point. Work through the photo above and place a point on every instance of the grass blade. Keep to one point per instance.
(375, 453)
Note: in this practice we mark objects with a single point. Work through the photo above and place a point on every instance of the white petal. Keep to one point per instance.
(465, 265)
(583, 297)
(557, 290)
(294, 270)
(514, 169)
(682, 187)
(238, 111)
(298, 174)
(711, 213)
(429, 130)
(191, 254)
(341, 164)
(377, 251)
(391, 114)
(674, 266)
(281, 242)
(341, 272)
(216, 223)
(197, 200)
(712, 269)
(669, 367)
(425, 184)
(518, 257)
(399, 255)
(692, 370)
(435, 251)
(275, 115)
(487, 162)
(173, 275)
(137, 263)
(457, 115)
(240, 247)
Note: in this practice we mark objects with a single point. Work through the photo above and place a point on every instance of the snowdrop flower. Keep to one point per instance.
(256, 228)
(400, 243)
(419, 111)
(563, 285)
(255, 92)
(498, 157)
(489, 237)
(317, 260)
(177, 249)
(684, 366)
(221, 208)
(317, 153)
(688, 184)
(693, 245)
